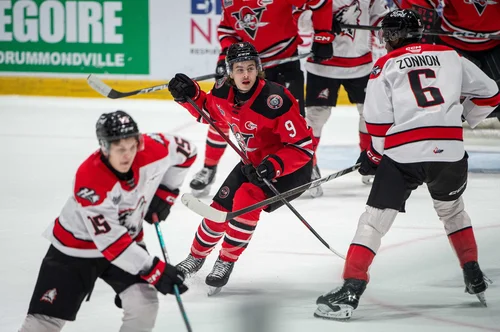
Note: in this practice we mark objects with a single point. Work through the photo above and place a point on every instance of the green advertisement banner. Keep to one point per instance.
(74, 36)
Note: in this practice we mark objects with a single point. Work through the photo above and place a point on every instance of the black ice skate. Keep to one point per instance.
(190, 265)
(340, 302)
(202, 181)
(475, 282)
(316, 191)
(219, 276)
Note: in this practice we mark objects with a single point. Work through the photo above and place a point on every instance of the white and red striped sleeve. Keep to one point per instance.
(378, 110)
(182, 154)
(481, 92)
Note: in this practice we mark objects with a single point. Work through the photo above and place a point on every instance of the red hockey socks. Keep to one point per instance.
(365, 141)
(465, 246)
(208, 234)
(358, 260)
(215, 146)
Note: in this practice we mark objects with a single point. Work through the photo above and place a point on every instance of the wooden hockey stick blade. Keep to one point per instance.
(206, 211)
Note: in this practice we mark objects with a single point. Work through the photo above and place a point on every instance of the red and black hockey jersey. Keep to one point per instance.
(268, 124)
(103, 216)
(269, 24)
(465, 16)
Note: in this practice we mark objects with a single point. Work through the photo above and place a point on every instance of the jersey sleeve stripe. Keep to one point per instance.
(116, 248)
(378, 129)
(491, 101)
(69, 240)
(187, 163)
(423, 134)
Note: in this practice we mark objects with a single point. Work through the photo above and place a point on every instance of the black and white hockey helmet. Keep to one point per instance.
(115, 126)
(239, 52)
(402, 26)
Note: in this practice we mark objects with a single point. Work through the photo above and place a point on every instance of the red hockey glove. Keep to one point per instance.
(182, 86)
(369, 162)
(161, 203)
(164, 277)
(322, 47)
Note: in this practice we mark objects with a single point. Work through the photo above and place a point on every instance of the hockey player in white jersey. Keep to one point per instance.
(99, 231)
(350, 67)
(413, 113)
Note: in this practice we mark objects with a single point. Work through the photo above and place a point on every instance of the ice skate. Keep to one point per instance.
(475, 281)
(316, 191)
(219, 276)
(367, 179)
(202, 181)
(340, 302)
(190, 265)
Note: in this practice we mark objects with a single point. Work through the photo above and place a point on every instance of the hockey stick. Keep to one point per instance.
(165, 257)
(206, 211)
(468, 34)
(105, 90)
(267, 182)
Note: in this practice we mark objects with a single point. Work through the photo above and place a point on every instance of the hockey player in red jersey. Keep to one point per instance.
(413, 113)
(270, 27)
(350, 67)
(464, 16)
(265, 119)
(99, 232)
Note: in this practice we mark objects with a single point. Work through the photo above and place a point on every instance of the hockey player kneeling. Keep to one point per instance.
(413, 114)
(99, 231)
(265, 119)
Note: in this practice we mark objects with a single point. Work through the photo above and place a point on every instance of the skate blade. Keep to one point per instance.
(482, 299)
(201, 193)
(325, 312)
(213, 290)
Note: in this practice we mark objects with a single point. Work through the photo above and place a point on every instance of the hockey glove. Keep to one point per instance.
(369, 162)
(182, 86)
(220, 70)
(161, 203)
(255, 175)
(164, 276)
(322, 47)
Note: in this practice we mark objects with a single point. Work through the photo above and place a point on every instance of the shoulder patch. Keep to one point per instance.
(272, 101)
(88, 194)
(221, 88)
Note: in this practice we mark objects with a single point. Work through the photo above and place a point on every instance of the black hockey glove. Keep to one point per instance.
(255, 175)
(164, 276)
(161, 203)
(220, 70)
(369, 162)
(322, 47)
(182, 86)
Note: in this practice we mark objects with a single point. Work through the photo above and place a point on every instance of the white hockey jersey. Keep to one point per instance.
(412, 107)
(352, 49)
(104, 215)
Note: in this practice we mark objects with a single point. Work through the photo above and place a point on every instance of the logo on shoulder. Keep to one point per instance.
(274, 102)
(220, 82)
(376, 70)
(88, 194)
(414, 49)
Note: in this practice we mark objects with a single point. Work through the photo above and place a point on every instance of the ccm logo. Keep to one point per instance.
(322, 38)
(154, 277)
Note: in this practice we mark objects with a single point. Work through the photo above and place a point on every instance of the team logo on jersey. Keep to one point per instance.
(242, 138)
(49, 296)
(116, 200)
(349, 14)
(88, 194)
(123, 215)
(324, 94)
(480, 5)
(437, 150)
(376, 70)
(224, 192)
(250, 125)
(274, 102)
(249, 20)
(158, 138)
